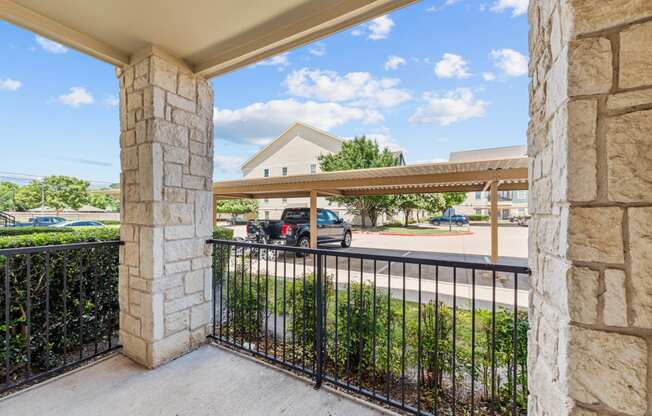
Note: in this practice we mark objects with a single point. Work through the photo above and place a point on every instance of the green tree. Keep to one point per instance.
(8, 196)
(451, 199)
(236, 207)
(103, 201)
(360, 153)
(406, 203)
(59, 192)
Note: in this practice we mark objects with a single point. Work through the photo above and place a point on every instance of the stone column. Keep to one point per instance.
(590, 142)
(166, 143)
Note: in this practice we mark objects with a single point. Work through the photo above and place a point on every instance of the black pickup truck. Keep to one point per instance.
(293, 229)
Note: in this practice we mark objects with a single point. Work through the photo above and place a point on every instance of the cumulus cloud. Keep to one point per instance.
(442, 6)
(511, 62)
(488, 76)
(355, 88)
(76, 97)
(518, 7)
(377, 29)
(393, 62)
(452, 66)
(9, 84)
(454, 106)
(111, 100)
(227, 163)
(50, 45)
(260, 122)
(280, 61)
(318, 49)
(385, 140)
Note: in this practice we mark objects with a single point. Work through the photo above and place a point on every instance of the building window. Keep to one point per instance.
(313, 168)
(285, 200)
(478, 196)
(266, 215)
(285, 171)
(266, 200)
(478, 211)
(266, 173)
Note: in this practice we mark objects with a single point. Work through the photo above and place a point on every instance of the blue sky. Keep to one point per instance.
(432, 78)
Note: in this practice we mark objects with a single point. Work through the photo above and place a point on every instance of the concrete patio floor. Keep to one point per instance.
(208, 381)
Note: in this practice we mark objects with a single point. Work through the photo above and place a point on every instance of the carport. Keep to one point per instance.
(476, 176)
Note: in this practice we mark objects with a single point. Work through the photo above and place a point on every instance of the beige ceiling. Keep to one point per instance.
(211, 36)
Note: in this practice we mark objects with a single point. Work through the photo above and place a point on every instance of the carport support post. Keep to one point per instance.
(494, 221)
(313, 219)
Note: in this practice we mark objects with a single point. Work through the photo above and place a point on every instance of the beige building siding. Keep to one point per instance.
(295, 152)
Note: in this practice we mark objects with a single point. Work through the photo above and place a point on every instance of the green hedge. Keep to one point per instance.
(51, 238)
(9, 231)
(222, 233)
(478, 218)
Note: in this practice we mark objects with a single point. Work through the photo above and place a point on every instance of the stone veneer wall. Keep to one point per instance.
(590, 142)
(166, 145)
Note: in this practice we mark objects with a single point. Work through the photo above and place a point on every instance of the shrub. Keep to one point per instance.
(73, 295)
(10, 231)
(363, 333)
(244, 297)
(222, 233)
(76, 235)
(478, 218)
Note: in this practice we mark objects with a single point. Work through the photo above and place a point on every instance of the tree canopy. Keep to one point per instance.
(7, 196)
(236, 207)
(59, 192)
(360, 153)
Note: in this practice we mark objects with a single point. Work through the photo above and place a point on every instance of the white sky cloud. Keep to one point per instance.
(228, 163)
(111, 100)
(518, 7)
(355, 88)
(452, 66)
(9, 84)
(76, 97)
(442, 6)
(488, 76)
(260, 122)
(50, 46)
(280, 61)
(393, 62)
(377, 29)
(318, 49)
(511, 62)
(456, 105)
(385, 140)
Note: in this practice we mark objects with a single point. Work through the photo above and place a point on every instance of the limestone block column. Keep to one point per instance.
(590, 143)
(166, 143)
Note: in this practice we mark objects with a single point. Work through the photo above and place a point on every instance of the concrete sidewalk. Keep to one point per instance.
(209, 381)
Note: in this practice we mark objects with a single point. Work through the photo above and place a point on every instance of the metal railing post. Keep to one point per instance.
(319, 322)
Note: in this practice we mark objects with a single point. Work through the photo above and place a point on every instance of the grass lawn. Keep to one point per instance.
(415, 230)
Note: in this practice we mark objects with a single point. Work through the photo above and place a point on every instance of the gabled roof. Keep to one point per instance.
(263, 151)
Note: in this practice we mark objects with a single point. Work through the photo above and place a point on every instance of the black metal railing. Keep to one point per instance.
(58, 308)
(429, 337)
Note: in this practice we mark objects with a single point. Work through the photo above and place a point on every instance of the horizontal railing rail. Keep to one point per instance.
(427, 336)
(58, 308)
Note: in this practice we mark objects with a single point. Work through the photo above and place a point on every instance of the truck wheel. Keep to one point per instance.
(347, 240)
(459, 223)
(304, 242)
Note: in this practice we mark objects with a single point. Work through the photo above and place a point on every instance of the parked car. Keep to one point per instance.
(78, 224)
(524, 221)
(456, 219)
(40, 222)
(293, 229)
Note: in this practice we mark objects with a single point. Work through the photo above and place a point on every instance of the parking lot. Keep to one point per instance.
(470, 248)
